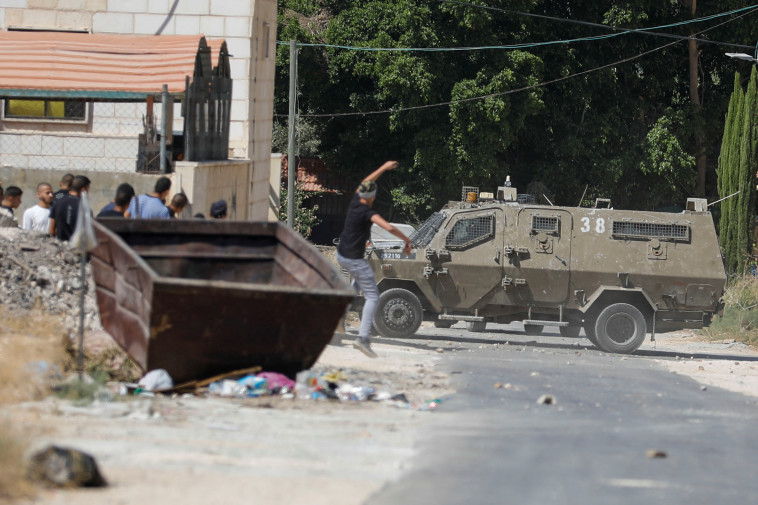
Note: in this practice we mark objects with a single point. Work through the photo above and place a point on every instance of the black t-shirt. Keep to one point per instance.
(64, 212)
(60, 195)
(171, 212)
(357, 229)
(110, 213)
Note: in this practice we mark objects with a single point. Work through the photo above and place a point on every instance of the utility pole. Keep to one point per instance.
(291, 166)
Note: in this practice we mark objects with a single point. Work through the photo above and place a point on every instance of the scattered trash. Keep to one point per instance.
(656, 454)
(64, 467)
(156, 380)
(498, 385)
(546, 400)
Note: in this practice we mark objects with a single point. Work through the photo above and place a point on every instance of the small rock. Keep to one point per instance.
(63, 467)
(703, 388)
(498, 385)
(546, 400)
(701, 368)
(440, 350)
(656, 454)
(535, 374)
(508, 385)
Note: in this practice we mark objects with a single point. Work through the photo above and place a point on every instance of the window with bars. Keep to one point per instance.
(428, 229)
(547, 224)
(640, 229)
(468, 232)
(45, 110)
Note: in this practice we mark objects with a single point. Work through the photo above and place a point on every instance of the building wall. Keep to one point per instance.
(249, 28)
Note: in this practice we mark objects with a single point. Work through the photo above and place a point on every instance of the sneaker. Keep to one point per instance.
(364, 346)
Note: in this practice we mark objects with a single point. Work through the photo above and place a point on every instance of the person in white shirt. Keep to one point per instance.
(37, 218)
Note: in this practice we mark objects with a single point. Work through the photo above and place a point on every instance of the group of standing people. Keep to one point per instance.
(56, 212)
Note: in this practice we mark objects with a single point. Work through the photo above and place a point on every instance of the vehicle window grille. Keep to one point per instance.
(547, 224)
(637, 229)
(526, 199)
(468, 232)
(424, 233)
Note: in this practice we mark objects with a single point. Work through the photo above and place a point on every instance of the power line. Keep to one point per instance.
(617, 32)
(525, 88)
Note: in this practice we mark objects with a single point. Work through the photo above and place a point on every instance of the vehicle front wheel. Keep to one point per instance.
(476, 326)
(533, 329)
(444, 323)
(620, 328)
(570, 331)
(399, 314)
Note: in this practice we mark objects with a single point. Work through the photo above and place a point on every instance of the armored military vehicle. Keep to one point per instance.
(619, 274)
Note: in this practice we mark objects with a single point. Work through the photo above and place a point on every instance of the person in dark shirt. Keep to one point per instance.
(63, 213)
(352, 248)
(65, 187)
(178, 202)
(124, 195)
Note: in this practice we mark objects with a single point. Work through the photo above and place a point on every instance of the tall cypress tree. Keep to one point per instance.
(736, 172)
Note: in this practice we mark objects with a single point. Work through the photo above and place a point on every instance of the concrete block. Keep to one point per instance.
(14, 160)
(20, 4)
(240, 68)
(104, 109)
(239, 110)
(109, 22)
(197, 7)
(227, 8)
(237, 27)
(212, 26)
(239, 48)
(158, 6)
(2, 17)
(97, 5)
(36, 4)
(149, 24)
(187, 25)
(125, 165)
(10, 144)
(39, 18)
(84, 146)
(14, 17)
(49, 163)
(74, 20)
(121, 148)
(134, 6)
(71, 5)
(52, 146)
(31, 145)
(241, 90)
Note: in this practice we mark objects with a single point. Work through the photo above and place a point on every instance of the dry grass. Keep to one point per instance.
(740, 318)
(27, 338)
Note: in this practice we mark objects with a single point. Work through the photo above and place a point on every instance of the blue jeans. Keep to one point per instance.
(363, 280)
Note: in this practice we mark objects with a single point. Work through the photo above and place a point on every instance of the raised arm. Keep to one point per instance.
(387, 165)
(380, 221)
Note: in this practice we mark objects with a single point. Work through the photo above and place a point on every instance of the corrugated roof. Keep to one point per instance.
(59, 64)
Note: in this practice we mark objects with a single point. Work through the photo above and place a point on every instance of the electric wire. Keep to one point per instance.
(527, 45)
(518, 90)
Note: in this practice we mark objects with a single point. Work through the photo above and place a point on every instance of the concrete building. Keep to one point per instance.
(100, 140)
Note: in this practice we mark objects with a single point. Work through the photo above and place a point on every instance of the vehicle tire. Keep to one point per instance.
(620, 328)
(476, 326)
(589, 330)
(399, 314)
(443, 323)
(533, 329)
(570, 331)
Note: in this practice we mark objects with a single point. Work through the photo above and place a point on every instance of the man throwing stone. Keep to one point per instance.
(352, 248)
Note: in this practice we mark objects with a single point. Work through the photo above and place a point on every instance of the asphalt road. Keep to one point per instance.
(622, 429)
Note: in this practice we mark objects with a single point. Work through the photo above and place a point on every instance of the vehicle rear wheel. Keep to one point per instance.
(476, 326)
(570, 331)
(620, 328)
(443, 323)
(533, 329)
(399, 313)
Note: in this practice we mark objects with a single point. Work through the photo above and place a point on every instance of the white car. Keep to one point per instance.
(382, 239)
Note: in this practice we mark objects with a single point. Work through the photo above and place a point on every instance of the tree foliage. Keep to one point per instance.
(736, 174)
(612, 114)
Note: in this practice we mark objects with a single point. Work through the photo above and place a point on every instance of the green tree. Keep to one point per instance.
(736, 174)
(305, 215)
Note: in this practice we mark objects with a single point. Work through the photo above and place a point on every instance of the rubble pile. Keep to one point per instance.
(40, 271)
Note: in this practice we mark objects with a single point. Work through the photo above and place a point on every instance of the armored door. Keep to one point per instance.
(466, 268)
(540, 254)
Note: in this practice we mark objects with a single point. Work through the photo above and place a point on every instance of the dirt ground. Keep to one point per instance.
(205, 450)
